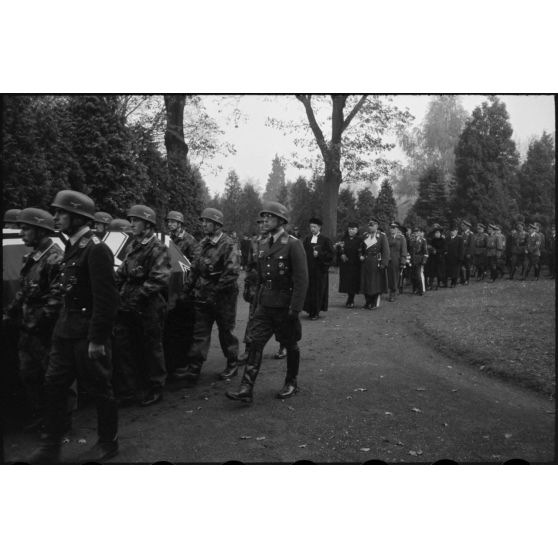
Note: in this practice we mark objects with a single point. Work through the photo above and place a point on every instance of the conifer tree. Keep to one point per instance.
(386, 208)
(275, 181)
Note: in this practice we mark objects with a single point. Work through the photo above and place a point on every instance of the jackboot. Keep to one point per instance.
(48, 453)
(107, 430)
(245, 393)
(293, 362)
(230, 371)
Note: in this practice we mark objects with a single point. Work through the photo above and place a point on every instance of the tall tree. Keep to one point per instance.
(537, 179)
(181, 177)
(302, 203)
(358, 125)
(386, 208)
(250, 206)
(275, 181)
(431, 205)
(486, 161)
(365, 206)
(231, 202)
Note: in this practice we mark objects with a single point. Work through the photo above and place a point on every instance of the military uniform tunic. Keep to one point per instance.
(89, 305)
(143, 279)
(213, 285)
(397, 259)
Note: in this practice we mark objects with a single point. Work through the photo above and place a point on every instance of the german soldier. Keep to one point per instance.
(492, 252)
(213, 285)
(374, 257)
(36, 306)
(143, 279)
(81, 343)
(419, 256)
(102, 223)
(518, 242)
(479, 251)
(533, 251)
(178, 234)
(180, 319)
(500, 251)
(397, 258)
(10, 218)
(283, 282)
(349, 263)
(454, 255)
(467, 260)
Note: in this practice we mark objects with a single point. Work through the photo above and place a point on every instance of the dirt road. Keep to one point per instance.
(371, 389)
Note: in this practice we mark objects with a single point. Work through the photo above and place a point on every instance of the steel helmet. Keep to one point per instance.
(11, 215)
(213, 215)
(142, 212)
(175, 216)
(103, 217)
(120, 225)
(36, 218)
(275, 208)
(74, 202)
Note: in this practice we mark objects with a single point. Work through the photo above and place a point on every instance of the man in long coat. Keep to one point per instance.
(374, 258)
(348, 252)
(319, 256)
(397, 257)
(454, 255)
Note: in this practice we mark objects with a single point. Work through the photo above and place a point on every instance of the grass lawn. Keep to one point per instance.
(506, 328)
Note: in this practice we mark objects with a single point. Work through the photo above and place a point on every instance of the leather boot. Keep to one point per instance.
(245, 393)
(293, 363)
(230, 371)
(187, 376)
(107, 430)
(100, 452)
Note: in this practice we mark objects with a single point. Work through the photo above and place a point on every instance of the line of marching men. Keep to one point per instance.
(79, 320)
(407, 256)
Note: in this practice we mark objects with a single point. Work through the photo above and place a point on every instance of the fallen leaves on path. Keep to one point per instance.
(416, 410)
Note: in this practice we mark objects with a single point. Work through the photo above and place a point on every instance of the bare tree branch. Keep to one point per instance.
(353, 113)
(314, 126)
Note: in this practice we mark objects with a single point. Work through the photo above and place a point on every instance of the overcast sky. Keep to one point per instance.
(256, 144)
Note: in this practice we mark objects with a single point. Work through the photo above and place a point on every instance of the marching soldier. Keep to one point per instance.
(467, 260)
(251, 282)
(419, 256)
(102, 222)
(500, 251)
(143, 279)
(397, 258)
(518, 249)
(36, 306)
(179, 235)
(533, 250)
(492, 252)
(213, 285)
(81, 342)
(180, 319)
(283, 282)
(479, 251)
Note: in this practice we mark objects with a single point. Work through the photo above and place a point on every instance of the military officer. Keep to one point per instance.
(102, 223)
(283, 282)
(212, 283)
(518, 249)
(467, 260)
(454, 255)
(179, 235)
(479, 251)
(418, 249)
(491, 252)
(533, 250)
(397, 258)
(500, 251)
(143, 279)
(81, 342)
(36, 306)
(374, 257)
(179, 323)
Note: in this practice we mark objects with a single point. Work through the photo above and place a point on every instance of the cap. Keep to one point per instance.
(352, 225)
(316, 221)
(466, 223)
(373, 220)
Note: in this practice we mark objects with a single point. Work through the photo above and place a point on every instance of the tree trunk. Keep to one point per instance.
(330, 195)
(181, 189)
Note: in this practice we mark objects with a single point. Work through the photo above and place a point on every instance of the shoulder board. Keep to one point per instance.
(95, 240)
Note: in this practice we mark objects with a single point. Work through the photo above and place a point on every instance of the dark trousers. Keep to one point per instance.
(465, 270)
(68, 361)
(223, 313)
(177, 338)
(493, 267)
(418, 278)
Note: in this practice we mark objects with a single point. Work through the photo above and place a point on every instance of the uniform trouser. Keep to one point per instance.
(177, 338)
(393, 271)
(68, 361)
(222, 312)
(480, 265)
(465, 270)
(251, 312)
(139, 355)
(493, 266)
(516, 261)
(33, 363)
(288, 331)
(418, 278)
(501, 264)
(533, 261)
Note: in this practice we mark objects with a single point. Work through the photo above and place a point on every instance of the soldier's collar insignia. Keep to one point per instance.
(83, 242)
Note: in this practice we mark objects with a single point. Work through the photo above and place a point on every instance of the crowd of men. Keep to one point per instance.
(86, 328)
